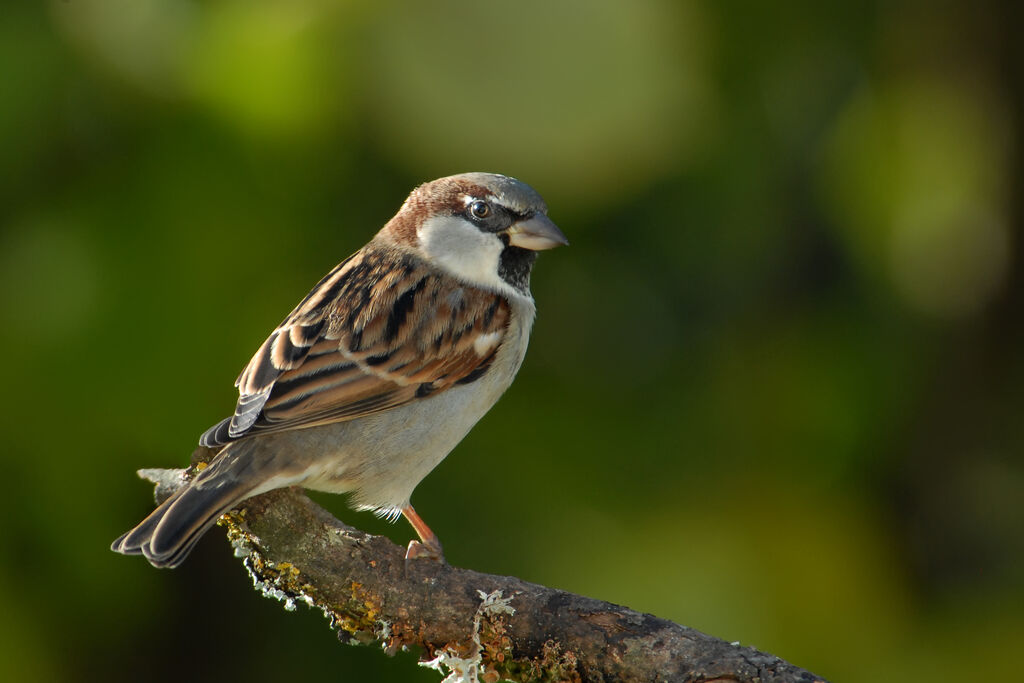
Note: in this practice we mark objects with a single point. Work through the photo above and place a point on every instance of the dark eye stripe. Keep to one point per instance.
(498, 217)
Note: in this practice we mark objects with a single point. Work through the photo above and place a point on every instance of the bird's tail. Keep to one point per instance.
(170, 532)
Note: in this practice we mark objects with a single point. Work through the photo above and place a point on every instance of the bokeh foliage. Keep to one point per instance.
(775, 386)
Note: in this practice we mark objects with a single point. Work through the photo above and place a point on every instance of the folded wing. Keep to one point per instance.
(378, 331)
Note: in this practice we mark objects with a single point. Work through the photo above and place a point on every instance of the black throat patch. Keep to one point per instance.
(514, 267)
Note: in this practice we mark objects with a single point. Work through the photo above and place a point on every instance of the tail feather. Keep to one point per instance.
(132, 541)
(170, 532)
(242, 469)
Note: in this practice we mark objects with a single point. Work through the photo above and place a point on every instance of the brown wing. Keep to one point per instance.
(378, 331)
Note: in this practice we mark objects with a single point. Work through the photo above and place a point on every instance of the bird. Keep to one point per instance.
(381, 370)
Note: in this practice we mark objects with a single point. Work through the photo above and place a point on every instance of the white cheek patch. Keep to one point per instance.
(463, 250)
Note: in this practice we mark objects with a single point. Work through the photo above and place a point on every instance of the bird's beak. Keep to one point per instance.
(536, 233)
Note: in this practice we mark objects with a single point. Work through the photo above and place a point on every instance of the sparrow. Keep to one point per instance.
(381, 370)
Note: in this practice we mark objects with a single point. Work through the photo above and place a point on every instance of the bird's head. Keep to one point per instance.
(482, 228)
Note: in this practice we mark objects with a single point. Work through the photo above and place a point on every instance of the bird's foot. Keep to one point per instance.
(428, 547)
(418, 550)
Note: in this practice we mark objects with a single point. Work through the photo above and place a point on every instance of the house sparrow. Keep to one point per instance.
(381, 370)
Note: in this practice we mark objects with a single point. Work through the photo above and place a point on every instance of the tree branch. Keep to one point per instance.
(472, 626)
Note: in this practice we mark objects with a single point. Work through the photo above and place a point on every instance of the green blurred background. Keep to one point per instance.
(775, 386)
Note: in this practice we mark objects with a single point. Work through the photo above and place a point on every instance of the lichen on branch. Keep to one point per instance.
(468, 625)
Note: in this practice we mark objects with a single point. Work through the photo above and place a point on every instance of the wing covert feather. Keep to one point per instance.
(378, 331)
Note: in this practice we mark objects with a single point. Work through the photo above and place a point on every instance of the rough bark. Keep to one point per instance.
(470, 626)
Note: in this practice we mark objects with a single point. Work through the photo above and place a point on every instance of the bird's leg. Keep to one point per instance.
(428, 546)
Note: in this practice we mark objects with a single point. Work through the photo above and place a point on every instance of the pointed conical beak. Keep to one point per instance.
(536, 233)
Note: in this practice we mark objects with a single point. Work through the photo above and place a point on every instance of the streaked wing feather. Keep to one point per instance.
(379, 331)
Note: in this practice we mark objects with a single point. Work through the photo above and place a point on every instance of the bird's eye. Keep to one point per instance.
(480, 209)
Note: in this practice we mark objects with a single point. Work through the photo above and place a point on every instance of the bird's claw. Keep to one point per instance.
(417, 550)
